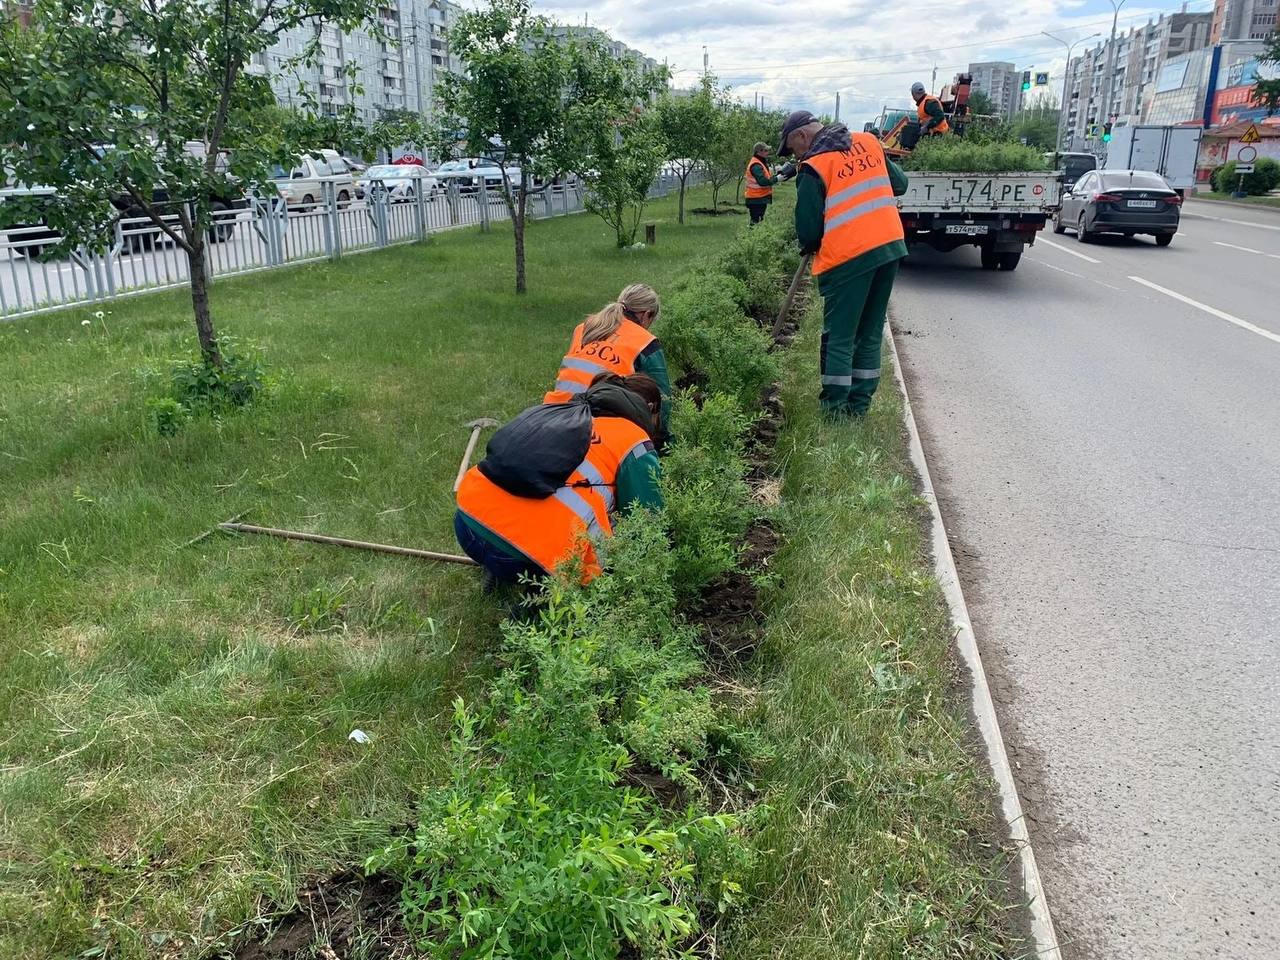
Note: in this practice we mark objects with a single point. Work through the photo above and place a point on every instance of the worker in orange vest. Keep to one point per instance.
(847, 218)
(616, 340)
(513, 535)
(933, 119)
(760, 179)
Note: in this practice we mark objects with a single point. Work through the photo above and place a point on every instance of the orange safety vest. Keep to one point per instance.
(861, 211)
(571, 520)
(616, 353)
(754, 191)
(943, 127)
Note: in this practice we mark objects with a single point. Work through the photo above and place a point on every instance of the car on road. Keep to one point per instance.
(1127, 202)
(467, 173)
(303, 186)
(403, 181)
(1073, 165)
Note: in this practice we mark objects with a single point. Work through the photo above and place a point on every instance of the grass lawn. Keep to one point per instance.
(175, 719)
(881, 838)
(1267, 201)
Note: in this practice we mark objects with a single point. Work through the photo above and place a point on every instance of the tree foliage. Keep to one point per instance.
(625, 157)
(980, 103)
(528, 98)
(1266, 93)
(150, 101)
(689, 125)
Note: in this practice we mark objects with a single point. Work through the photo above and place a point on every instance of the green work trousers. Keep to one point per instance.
(852, 330)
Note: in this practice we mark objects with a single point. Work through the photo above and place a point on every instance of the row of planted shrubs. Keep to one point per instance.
(577, 822)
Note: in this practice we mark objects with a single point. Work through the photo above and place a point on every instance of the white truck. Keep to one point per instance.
(1000, 213)
(1168, 151)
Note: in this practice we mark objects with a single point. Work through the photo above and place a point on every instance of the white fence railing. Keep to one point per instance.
(261, 234)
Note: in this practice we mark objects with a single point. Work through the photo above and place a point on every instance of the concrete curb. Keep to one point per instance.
(1235, 203)
(1045, 939)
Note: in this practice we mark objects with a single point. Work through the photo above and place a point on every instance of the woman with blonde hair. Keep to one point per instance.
(615, 340)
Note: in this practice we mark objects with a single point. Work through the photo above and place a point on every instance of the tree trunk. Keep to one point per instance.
(518, 225)
(737, 192)
(200, 300)
(683, 177)
(715, 197)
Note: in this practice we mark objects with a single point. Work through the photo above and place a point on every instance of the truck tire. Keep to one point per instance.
(990, 259)
(1009, 261)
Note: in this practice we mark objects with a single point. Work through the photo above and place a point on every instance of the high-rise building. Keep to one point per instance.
(1002, 82)
(1134, 61)
(1244, 19)
(618, 49)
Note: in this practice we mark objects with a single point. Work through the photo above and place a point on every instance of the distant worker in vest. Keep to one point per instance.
(847, 217)
(616, 340)
(933, 119)
(553, 478)
(760, 181)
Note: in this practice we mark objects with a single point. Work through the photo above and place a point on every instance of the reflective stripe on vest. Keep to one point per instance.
(861, 212)
(754, 191)
(942, 127)
(616, 353)
(575, 517)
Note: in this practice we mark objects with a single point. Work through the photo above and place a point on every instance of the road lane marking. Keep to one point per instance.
(1243, 223)
(1074, 253)
(1261, 253)
(1071, 273)
(1213, 311)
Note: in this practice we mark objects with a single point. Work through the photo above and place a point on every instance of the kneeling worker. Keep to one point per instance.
(933, 119)
(846, 215)
(553, 476)
(615, 340)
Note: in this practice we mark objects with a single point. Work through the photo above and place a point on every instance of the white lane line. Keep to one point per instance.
(1074, 253)
(1071, 273)
(1213, 311)
(1243, 223)
(1261, 253)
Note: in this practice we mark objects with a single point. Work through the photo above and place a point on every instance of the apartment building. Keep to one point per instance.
(1244, 19)
(1000, 81)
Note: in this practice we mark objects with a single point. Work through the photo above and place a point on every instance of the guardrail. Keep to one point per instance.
(266, 234)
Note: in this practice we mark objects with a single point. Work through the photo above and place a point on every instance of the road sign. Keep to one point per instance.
(1246, 155)
(1244, 168)
(1251, 135)
(1042, 79)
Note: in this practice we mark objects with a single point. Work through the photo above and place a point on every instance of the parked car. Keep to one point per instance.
(1073, 165)
(467, 172)
(1120, 201)
(403, 181)
(303, 186)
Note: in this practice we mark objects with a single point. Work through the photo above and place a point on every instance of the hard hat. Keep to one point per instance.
(917, 87)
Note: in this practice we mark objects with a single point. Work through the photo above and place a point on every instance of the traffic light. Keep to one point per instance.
(1026, 79)
(1106, 133)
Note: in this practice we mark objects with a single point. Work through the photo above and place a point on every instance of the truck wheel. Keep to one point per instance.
(1009, 261)
(990, 261)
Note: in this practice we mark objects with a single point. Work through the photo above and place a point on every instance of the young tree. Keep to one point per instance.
(1266, 93)
(150, 101)
(528, 91)
(624, 158)
(730, 148)
(688, 125)
(980, 103)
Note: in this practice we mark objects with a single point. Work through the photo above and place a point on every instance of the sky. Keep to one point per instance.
(798, 54)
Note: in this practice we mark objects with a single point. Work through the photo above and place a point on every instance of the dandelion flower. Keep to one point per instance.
(84, 323)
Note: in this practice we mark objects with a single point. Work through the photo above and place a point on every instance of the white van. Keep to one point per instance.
(303, 186)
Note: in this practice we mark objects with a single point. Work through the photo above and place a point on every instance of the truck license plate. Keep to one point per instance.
(968, 229)
(1144, 204)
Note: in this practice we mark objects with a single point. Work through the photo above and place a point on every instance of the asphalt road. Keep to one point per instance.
(1104, 428)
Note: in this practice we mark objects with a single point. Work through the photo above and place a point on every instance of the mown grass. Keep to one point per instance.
(175, 719)
(880, 841)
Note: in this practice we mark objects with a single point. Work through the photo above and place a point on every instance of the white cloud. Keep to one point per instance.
(798, 53)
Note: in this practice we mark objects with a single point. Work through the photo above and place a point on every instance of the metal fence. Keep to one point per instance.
(266, 233)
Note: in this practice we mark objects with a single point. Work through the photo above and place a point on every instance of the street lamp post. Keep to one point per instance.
(1062, 107)
(1111, 64)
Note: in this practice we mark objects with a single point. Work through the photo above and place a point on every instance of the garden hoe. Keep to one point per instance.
(791, 295)
(476, 426)
(231, 526)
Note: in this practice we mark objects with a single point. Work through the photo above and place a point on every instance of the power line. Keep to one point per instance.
(744, 69)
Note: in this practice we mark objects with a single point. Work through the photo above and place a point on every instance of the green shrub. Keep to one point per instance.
(961, 155)
(194, 387)
(1264, 178)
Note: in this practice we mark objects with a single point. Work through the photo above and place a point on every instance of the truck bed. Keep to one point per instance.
(975, 193)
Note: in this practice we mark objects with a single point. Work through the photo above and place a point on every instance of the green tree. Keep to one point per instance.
(151, 101)
(526, 99)
(689, 127)
(1266, 93)
(1037, 127)
(980, 102)
(730, 146)
(625, 156)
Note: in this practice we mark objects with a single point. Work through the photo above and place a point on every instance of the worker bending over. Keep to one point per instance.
(554, 476)
(847, 217)
(933, 119)
(616, 340)
(760, 180)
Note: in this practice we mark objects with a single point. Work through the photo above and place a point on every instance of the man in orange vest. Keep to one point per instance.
(760, 180)
(933, 119)
(847, 217)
